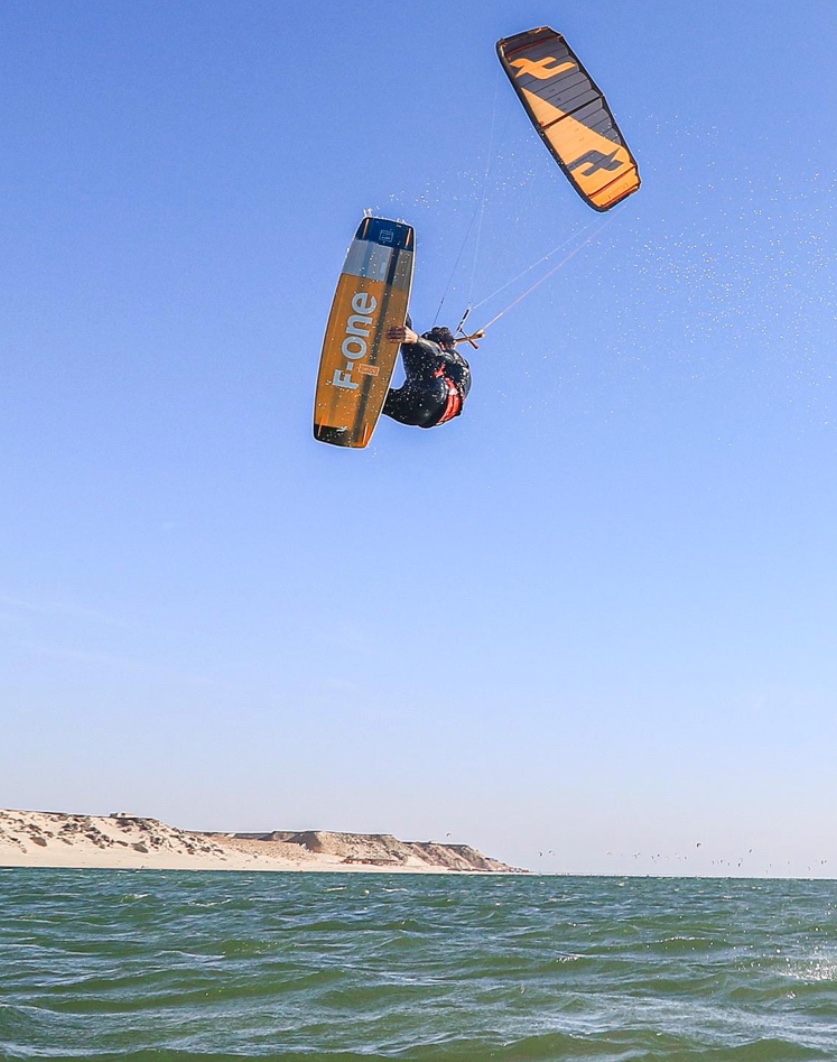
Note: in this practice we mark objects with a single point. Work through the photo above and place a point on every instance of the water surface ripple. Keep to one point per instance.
(149, 965)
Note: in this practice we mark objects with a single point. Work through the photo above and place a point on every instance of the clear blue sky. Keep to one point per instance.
(595, 616)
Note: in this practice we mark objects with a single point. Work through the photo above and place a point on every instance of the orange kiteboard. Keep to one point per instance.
(358, 361)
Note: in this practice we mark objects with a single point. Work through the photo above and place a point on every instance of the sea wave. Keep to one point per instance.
(161, 965)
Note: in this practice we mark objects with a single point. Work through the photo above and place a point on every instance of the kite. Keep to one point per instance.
(571, 115)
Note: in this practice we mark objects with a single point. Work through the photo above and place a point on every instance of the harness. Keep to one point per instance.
(453, 406)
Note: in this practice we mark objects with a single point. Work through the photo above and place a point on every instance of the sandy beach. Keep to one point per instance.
(123, 840)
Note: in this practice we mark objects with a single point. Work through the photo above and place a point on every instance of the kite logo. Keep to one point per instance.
(356, 344)
(540, 68)
(597, 162)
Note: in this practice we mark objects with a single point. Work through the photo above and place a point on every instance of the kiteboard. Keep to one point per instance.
(358, 361)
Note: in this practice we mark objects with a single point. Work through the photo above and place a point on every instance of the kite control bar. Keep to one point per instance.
(471, 338)
(479, 334)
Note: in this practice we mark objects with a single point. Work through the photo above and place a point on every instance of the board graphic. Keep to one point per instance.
(358, 361)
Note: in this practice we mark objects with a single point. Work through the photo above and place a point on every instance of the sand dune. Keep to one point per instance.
(56, 839)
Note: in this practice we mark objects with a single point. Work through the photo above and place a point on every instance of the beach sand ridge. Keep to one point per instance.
(125, 840)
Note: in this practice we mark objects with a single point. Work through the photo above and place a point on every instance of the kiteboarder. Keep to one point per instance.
(438, 378)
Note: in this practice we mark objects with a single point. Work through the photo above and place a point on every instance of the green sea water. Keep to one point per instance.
(153, 965)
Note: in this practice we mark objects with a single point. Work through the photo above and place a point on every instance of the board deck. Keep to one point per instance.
(358, 361)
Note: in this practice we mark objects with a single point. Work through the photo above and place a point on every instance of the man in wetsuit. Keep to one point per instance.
(438, 378)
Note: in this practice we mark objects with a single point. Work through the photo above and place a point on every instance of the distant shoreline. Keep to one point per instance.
(127, 841)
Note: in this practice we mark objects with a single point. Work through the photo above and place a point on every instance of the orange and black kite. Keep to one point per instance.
(571, 115)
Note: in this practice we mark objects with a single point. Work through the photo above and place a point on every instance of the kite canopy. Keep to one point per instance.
(571, 115)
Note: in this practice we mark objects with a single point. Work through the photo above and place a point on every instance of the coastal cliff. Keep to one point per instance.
(123, 840)
(371, 849)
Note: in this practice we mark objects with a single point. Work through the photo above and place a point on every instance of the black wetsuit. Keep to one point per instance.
(433, 373)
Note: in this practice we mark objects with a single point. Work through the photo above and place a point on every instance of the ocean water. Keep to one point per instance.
(155, 965)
